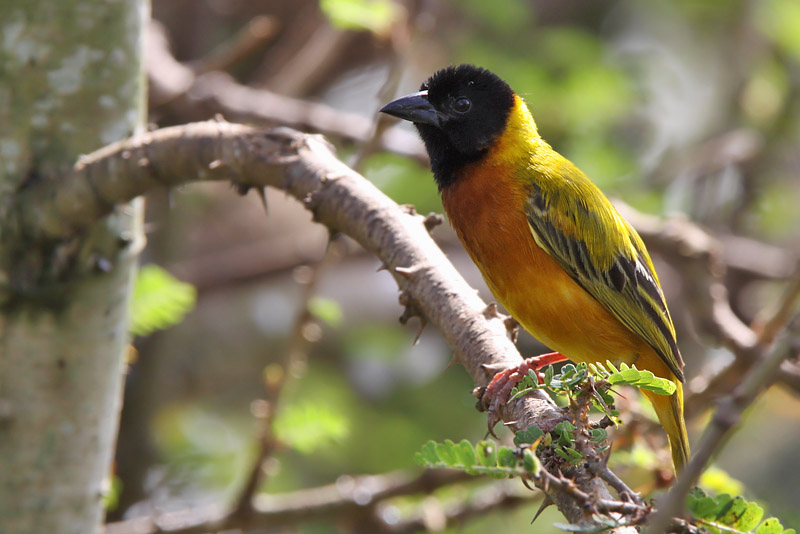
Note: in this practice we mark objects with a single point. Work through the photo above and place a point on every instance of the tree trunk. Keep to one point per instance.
(71, 81)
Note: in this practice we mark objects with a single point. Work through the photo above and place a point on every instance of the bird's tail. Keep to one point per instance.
(670, 414)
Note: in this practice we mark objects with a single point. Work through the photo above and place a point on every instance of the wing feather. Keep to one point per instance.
(619, 274)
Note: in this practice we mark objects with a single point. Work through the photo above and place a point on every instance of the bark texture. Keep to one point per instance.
(70, 82)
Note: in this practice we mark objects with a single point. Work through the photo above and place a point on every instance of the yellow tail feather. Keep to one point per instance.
(670, 414)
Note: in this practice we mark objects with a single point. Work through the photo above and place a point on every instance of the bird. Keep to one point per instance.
(551, 247)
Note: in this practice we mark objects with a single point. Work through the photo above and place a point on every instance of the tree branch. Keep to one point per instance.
(305, 167)
(347, 496)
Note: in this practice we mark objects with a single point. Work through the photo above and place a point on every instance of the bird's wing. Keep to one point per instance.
(605, 255)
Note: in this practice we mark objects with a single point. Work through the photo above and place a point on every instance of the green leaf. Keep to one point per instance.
(701, 505)
(641, 379)
(446, 453)
(487, 453)
(376, 16)
(530, 462)
(548, 375)
(428, 456)
(159, 301)
(564, 430)
(573, 455)
(751, 516)
(732, 511)
(326, 310)
(770, 526)
(506, 457)
(529, 435)
(465, 453)
(599, 435)
(307, 427)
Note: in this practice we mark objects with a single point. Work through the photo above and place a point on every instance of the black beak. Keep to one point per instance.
(414, 108)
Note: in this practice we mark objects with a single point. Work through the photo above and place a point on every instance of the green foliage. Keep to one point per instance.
(631, 376)
(726, 514)
(717, 480)
(326, 310)
(779, 21)
(404, 180)
(376, 16)
(159, 301)
(528, 436)
(485, 458)
(309, 426)
(569, 381)
(513, 16)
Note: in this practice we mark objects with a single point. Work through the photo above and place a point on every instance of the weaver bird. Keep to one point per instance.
(551, 247)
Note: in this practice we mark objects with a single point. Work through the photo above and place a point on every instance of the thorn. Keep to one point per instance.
(404, 299)
(406, 272)
(408, 313)
(432, 220)
(241, 188)
(512, 328)
(490, 311)
(409, 209)
(216, 164)
(143, 162)
(546, 502)
(310, 204)
(262, 194)
(453, 361)
(219, 118)
(493, 368)
(422, 323)
(383, 267)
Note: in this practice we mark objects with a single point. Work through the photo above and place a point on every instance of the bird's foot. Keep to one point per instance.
(498, 390)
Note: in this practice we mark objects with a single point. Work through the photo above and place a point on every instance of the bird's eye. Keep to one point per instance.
(462, 104)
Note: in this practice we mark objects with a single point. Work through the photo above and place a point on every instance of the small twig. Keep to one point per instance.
(347, 497)
(597, 463)
(727, 416)
(494, 497)
(274, 384)
(591, 502)
(770, 320)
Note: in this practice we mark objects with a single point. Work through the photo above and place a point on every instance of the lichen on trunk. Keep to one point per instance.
(71, 81)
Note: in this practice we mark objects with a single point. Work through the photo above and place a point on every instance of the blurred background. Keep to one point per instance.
(679, 108)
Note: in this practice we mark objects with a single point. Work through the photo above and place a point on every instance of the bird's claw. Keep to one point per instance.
(497, 392)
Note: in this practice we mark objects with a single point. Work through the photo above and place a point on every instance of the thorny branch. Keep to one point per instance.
(305, 167)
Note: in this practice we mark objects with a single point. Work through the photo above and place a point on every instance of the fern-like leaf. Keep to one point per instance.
(159, 301)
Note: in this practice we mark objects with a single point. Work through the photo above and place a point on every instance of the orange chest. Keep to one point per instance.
(487, 208)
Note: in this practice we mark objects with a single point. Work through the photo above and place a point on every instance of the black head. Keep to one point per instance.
(459, 112)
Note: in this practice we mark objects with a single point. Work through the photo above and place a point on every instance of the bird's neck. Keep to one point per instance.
(520, 138)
